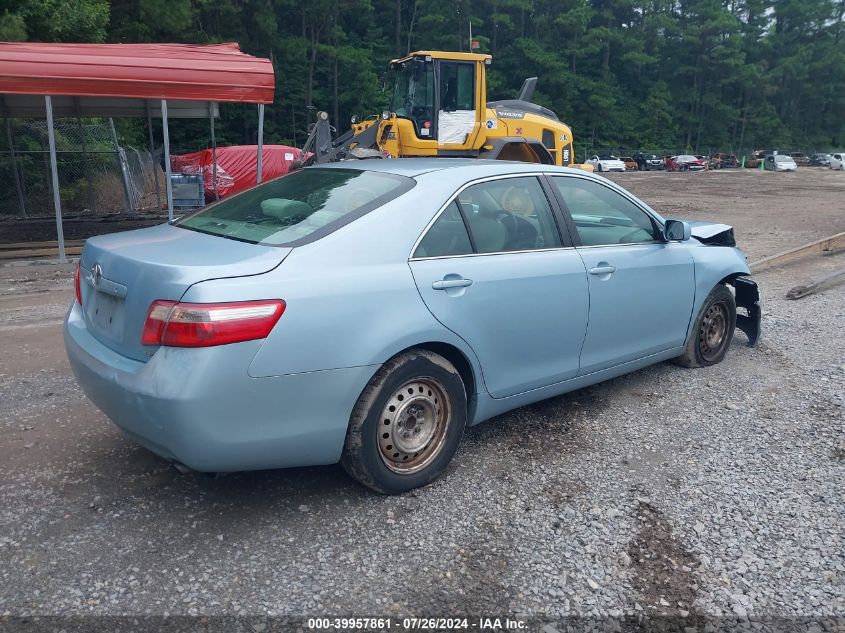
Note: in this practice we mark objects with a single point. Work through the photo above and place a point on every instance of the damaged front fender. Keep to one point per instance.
(713, 233)
(748, 297)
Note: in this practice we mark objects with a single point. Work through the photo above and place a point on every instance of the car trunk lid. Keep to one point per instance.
(123, 273)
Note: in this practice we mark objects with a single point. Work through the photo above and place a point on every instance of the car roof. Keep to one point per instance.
(412, 167)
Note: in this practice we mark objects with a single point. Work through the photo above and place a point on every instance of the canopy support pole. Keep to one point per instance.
(89, 184)
(168, 184)
(213, 152)
(260, 142)
(122, 166)
(153, 154)
(17, 174)
(54, 171)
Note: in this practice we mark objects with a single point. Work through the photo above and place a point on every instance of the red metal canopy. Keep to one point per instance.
(211, 73)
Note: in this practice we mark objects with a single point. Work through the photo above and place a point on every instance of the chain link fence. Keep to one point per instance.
(97, 177)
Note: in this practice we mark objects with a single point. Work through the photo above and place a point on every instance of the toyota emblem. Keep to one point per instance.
(96, 275)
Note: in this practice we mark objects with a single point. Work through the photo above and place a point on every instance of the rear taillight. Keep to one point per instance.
(77, 285)
(207, 324)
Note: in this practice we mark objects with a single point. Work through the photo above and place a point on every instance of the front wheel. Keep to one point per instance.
(407, 423)
(712, 331)
(600, 169)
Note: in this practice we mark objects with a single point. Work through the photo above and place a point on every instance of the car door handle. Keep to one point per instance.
(602, 270)
(444, 284)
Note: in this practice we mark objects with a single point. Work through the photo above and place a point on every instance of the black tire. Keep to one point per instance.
(367, 454)
(600, 169)
(704, 347)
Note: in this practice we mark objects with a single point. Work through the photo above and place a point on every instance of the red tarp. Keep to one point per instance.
(237, 166)
(218, 72)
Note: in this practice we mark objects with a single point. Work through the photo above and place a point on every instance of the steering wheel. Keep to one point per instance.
(631, 236)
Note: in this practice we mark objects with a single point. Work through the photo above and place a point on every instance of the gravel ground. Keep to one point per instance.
(693, 493)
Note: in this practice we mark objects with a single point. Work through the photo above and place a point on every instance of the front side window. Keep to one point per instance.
(457, 86)
(603, 216)
(457, 117)
(511, 214)
(306, 203)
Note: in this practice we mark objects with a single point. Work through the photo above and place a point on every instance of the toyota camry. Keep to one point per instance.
(367, 312)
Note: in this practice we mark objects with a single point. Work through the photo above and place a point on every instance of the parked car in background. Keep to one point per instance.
(756, 159)
(820, 160)
(684, 162)
(800, 158)
(837, 161)
(722, 161)
(648, 162)
(630, 163)
(781, 162)
(606, 162)
(367, 312)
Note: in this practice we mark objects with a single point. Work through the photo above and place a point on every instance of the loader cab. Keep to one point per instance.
(442, 95)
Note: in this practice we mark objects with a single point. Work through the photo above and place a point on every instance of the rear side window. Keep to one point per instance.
(510, 214)
(301, 206)
(498, 216)
(447, 236)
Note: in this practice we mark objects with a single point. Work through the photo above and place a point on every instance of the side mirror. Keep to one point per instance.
(677, 231)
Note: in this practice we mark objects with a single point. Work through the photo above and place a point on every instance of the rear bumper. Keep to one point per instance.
(199, 406)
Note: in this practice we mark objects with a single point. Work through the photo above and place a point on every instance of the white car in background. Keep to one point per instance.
(837, 161)
(606, 162)
(781, 162)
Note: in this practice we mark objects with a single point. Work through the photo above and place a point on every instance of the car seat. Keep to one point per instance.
(517, 204)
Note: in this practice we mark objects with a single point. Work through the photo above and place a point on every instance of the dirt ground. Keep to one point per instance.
(691, 492)
(770, 212)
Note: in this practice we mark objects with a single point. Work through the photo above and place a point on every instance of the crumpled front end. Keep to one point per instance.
(713, 267)
(713, 233)
(748, 298)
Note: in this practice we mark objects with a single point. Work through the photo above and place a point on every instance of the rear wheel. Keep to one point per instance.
(407, 424)
(712, 331)
(600, 169)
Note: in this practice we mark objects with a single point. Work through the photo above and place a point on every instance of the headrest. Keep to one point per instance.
(284, 209)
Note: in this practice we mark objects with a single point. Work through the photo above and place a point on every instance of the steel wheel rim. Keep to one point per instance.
(413, 424)
(713, 332)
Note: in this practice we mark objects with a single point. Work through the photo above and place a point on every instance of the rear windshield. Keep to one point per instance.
(783, 159)
(300, 207)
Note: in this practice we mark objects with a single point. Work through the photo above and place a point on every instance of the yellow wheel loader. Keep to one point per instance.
(439, 108)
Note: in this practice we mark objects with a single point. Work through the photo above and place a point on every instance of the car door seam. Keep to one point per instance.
(434, 316)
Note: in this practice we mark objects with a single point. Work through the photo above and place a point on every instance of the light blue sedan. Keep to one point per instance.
(367, 312)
